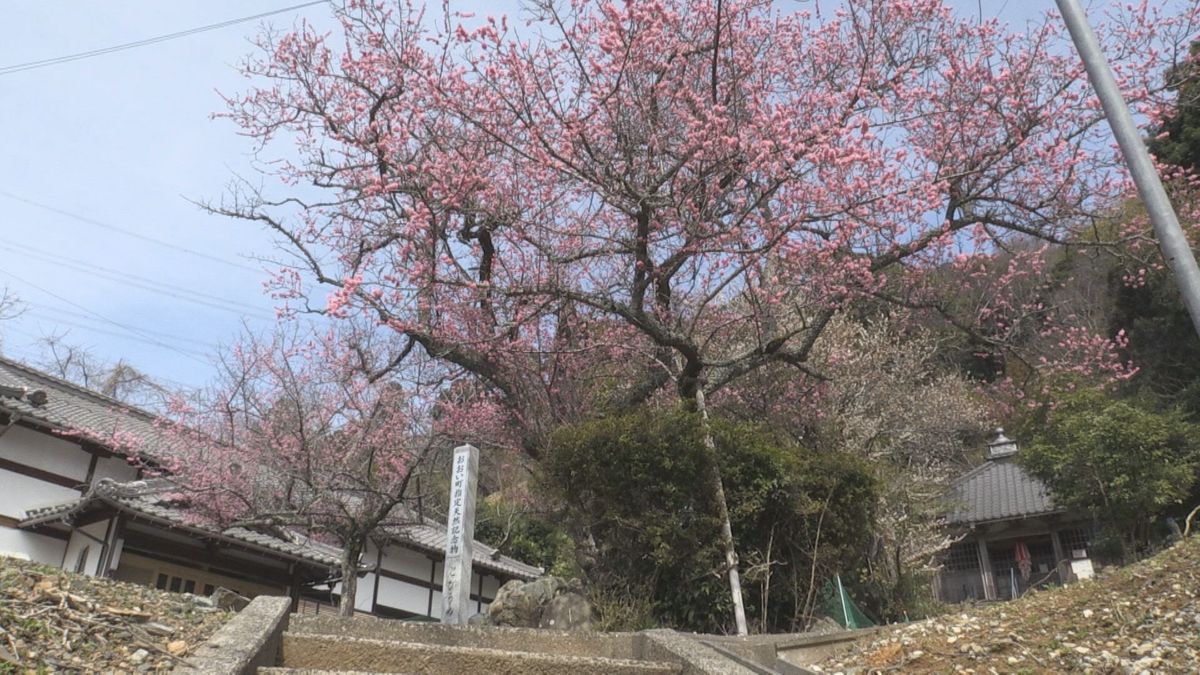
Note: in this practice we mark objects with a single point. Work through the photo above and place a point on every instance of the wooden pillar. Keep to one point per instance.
(985, 569)
(378, 573)
(432, 581)
(479, 600)
(294, 588)
(1062, 563)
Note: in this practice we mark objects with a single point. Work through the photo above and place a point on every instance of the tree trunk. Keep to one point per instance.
(718, 489)
(349, 579)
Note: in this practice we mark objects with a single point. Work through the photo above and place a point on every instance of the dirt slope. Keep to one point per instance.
(53, 621)
(1144, 618)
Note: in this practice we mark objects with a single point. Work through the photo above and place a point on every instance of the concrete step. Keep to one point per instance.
(340, 653)
(279, 670)
(578, 643)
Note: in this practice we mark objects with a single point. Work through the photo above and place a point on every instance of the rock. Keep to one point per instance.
(199, 600)
(138, 657)
(155, 628)
(543, 590)
(223, 598)
(481, 620)
(513, 607)
(177, 647)
(568, 611)
(524, 604)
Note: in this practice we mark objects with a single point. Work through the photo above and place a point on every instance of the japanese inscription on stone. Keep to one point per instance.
(460, 534)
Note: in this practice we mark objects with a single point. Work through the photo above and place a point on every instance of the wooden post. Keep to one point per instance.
(1062, 564)
(460, 536)
(985, 567)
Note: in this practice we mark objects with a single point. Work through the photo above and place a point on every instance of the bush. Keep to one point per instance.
(529, 536)
(636, 486)
(1122, 462)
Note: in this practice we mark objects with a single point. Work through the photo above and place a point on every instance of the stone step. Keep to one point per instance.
(339, 653)
(579, 643)
(280, 670)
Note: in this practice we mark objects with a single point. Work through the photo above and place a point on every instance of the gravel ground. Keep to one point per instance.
(56, 622)
(1144, 618)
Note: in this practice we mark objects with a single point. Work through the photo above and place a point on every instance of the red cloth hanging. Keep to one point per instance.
(1024, 560)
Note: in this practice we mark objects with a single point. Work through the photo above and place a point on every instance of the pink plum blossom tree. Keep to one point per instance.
(314, 433)
(692, 189)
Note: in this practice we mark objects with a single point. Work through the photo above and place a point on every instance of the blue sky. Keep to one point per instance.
(103, 157)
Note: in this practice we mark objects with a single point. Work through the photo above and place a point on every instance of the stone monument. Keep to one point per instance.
(460, 537)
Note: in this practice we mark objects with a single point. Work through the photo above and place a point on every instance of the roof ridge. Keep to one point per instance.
(972, 473)
(75, 388)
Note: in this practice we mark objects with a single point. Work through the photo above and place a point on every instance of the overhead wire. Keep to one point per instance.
(51, 313)
(38, 358)
(136, 281)
(135, 331)
(59, 321)
(129, 233)
(66, 58)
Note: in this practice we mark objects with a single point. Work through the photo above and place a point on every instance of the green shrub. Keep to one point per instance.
(1124, 463)
(637, 486)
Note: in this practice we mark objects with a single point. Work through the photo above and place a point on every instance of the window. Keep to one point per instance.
(963, 556)
(1075, 542)
(161, 583)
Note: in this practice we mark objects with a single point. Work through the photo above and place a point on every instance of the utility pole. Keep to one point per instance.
(1174, 244)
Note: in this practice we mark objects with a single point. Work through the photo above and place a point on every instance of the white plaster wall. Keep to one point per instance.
(79, 541)
(406, 561)
(46, 550)
(401, 594)
(438, 570)
(19, 493)
(115, 468)
(45, 452)
(405, 596)
(365, 593)
(490, 586)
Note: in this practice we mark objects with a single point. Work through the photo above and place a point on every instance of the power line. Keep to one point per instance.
(59, 321)
(128, 233)
(136, 281)
(66, 58)
(107, 320)
(37, 357)
(50, 313)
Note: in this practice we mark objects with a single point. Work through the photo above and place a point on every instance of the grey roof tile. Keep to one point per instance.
(151, 499)
(72, 408)
(997, 490)
(432, 538)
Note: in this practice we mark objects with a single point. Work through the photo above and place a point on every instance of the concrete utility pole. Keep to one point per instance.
(1174, 244)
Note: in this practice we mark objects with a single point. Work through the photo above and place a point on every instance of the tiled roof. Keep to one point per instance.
(999, 489)
(149, 499)
(74, 409)
(432, 537)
